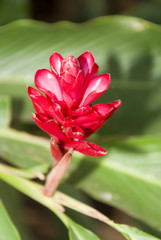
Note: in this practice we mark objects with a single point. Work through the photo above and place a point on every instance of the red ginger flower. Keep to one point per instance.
(65, 112)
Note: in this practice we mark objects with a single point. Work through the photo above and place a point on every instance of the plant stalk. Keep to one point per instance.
(57, 173)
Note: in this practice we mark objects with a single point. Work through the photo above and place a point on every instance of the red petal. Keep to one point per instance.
(105, 110)
(81, 111)
(116, 104)
(71, 92)
(44, 79)
(86, 61)
(90, 127)
(60, 111)
(50, 126)
(33, 92)
(41, 104)
(74, 132)
(67, 99)
(87, 148)
(94, 71)
(41, 117)
(96, 86)
(56, 62)
(99, 112)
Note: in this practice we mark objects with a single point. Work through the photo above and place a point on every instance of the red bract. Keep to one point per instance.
(64, 109)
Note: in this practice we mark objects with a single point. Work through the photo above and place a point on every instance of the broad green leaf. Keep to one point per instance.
(76, 232)
(15, 207)
(129, 177)
(7, 229)
(24, 150)
(5, 111)
(127, 47)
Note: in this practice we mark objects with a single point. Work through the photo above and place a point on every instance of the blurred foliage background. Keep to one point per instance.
(78, 11)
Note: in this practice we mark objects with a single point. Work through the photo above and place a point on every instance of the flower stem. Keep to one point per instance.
(56, 174)
(56, 151)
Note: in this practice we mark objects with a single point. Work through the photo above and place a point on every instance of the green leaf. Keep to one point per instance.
(76, 232)
(127, 47)
(24, 150)
(129, 177)
(132, 233)
(7, 229)
(5, 111)
(15, 209)
(127, 231)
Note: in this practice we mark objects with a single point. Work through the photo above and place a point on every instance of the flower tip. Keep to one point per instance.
(108, 75)
(108, 79)
(38, 72)
(54, 56)
(118, 103)
(34, 115)
(102, 153)
(87, 52)
(29, 89)
(55, 62)
(32, 92)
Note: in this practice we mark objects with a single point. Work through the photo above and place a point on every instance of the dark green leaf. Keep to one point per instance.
(24, 150)
(15, 207)
(77, 232)
(7, 229)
